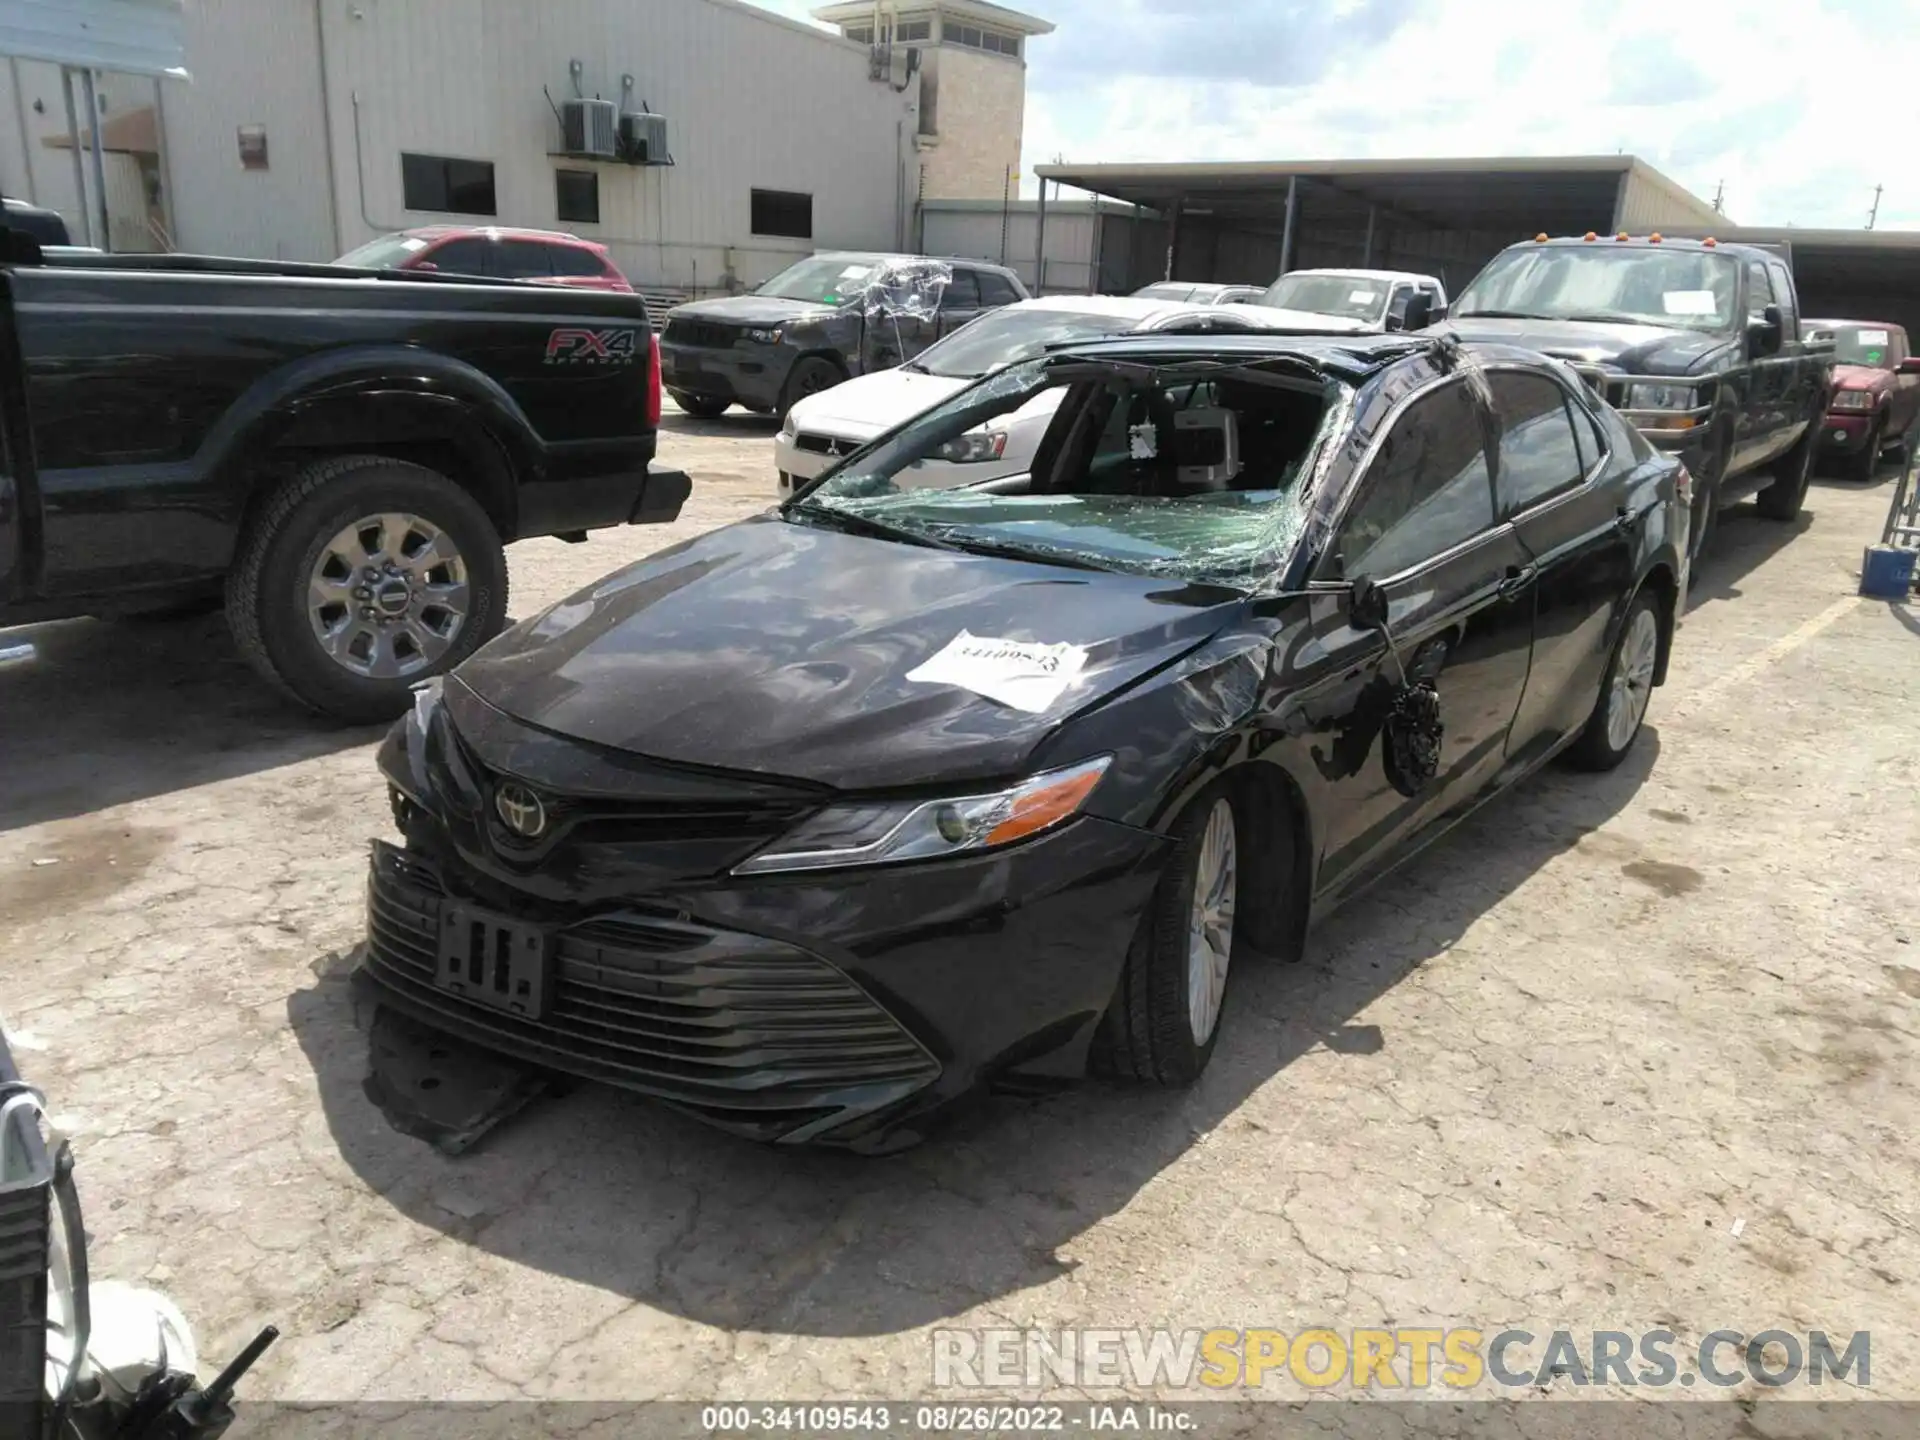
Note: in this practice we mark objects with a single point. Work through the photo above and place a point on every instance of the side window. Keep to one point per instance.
(523, 260)
(994, 290)
(1427, 490)
(1759, 288)
(1899, 339)
(963, 291)
(461, 257)
(1588, 435)
(1783, 297)
(1539, 456)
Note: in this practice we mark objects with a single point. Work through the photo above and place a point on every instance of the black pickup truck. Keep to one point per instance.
(337, 456)
(1696, 343)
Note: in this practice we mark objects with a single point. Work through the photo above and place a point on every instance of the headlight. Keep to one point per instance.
(1661, 397)
(973, 447)
(1854, 400)
(764, 337)
(886, 832)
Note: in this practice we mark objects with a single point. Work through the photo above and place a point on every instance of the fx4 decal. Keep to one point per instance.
(570, 345)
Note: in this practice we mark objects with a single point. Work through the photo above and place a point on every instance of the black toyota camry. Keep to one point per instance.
(826, 818)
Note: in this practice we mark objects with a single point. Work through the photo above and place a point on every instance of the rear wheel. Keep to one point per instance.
(809, 377)
(359, 578)
(1165, 1017)
(1792, 471)
(1861, 467)
(1622, 707)
(701, 407)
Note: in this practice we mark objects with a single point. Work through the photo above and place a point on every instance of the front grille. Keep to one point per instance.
(728, 1024)
(707, 334)
(723, 825)
(821, 444)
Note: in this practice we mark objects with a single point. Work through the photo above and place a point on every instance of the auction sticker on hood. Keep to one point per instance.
(1019, 673)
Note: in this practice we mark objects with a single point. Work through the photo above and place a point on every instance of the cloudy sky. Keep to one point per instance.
(1698, 90)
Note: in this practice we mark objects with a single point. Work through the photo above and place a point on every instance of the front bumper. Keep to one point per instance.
(742, 374)
(832, 1008)
(1845, 432)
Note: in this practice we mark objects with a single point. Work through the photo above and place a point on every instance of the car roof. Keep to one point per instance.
(1121, 307)
(499, 232)
(966, 260)
(1388, 275)
(1352, 358)
(1648, 242)
(1855, 324)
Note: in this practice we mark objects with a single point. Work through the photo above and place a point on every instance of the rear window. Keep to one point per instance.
(575, 260)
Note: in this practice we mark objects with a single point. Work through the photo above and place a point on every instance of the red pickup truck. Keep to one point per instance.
(1876, 391)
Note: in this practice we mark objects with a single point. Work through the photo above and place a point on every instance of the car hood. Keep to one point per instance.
(784, 649)
(1861, 377)
(866, 406)
(1632, 349)
(749, 310)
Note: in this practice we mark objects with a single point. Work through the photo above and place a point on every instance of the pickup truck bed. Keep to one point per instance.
(339, 455)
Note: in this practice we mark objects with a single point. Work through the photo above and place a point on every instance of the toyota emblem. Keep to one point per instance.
(520, 811)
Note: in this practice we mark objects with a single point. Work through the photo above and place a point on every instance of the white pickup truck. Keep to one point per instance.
(1355, 301)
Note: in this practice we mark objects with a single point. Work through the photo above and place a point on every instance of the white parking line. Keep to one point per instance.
(1708, 694)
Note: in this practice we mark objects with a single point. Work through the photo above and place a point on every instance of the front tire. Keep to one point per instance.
(700, 407)
(809, 377)
(1861, 467)
(1621, 710)
(1792, 473)
(1165, 1017)
(360, 577)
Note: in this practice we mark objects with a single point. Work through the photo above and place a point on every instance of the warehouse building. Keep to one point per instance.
(708, 143)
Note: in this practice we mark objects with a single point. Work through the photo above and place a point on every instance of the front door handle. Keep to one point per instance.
(1518, 578)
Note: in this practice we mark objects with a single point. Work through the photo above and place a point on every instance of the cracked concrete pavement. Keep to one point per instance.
(1534, 1081)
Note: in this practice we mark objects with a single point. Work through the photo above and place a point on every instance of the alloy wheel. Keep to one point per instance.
(388, 596)
(1210, 923)
(1632, 683)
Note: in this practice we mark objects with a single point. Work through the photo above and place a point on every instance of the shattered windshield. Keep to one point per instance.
(1675, 289)
(1196, 469)
(1001, 337)
(822, 280)
(1351, 297)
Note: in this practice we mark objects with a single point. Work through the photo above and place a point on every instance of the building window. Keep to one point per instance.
(783, 212)
(576, 196)
(453, 187)
(914, 30)
(861, 34)
(974, 38)
(253, 147)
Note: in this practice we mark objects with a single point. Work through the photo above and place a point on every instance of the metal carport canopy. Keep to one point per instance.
(134, 37)
(1519, 194)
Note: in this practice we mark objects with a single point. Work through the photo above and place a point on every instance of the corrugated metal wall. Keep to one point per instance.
(1649, 202)
(973, 230)
(254, 62)
(750, 101)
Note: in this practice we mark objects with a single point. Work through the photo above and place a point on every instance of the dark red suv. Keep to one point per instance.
(545, 257)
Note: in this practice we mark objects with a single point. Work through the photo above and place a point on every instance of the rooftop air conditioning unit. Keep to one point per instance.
(643, 139)
(590, 128)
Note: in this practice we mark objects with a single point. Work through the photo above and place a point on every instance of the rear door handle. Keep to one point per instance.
(1518, 578)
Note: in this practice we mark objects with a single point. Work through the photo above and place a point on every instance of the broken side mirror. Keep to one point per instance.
(1764, 331)
(1366, 605)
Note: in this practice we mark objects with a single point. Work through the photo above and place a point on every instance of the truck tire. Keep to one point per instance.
(1861, 467)
(1791, 473)
(809, 376)
(700, 407)
(361, 576)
